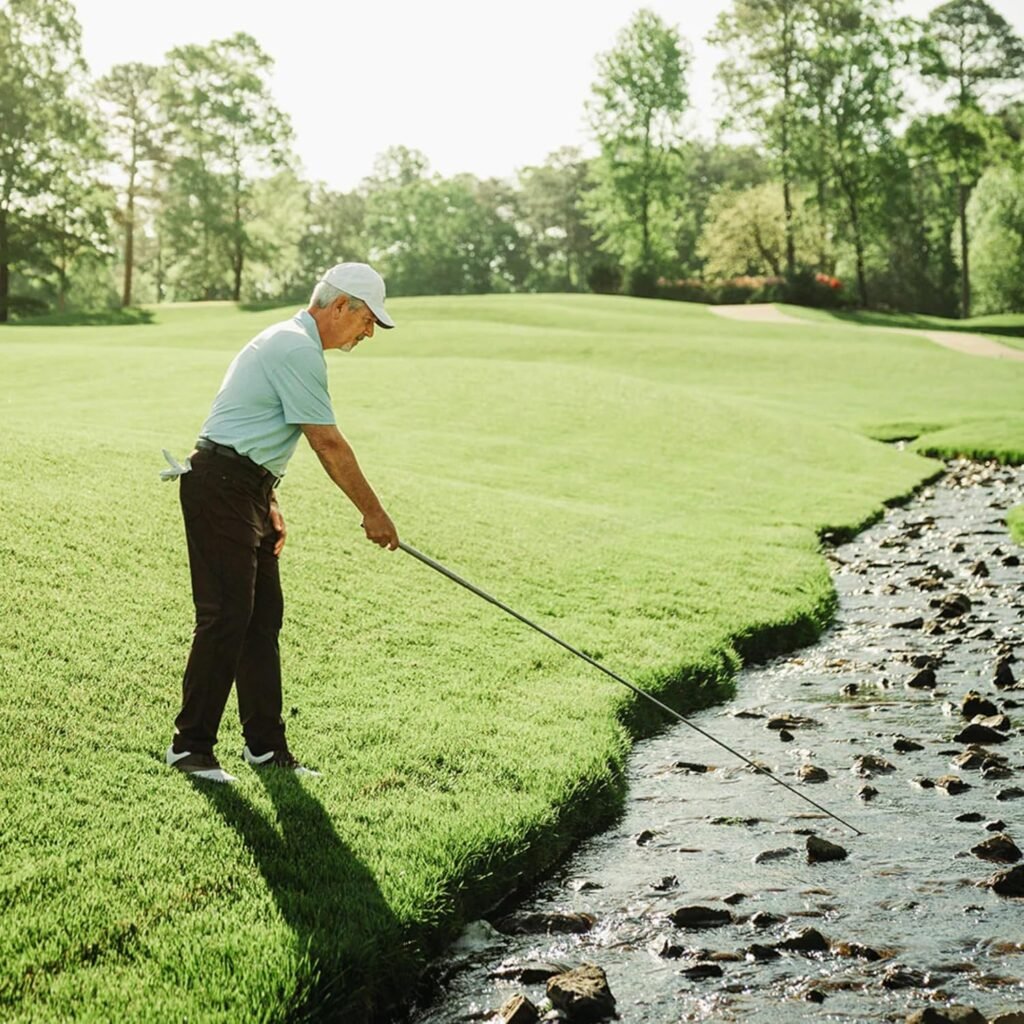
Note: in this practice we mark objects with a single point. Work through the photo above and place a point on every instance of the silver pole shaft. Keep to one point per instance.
(456, 578)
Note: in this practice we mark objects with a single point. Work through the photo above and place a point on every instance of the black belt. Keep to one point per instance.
(206, 445)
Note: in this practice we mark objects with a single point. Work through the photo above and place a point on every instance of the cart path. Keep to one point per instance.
(958, 341)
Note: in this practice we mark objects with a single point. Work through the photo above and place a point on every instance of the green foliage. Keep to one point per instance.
(432, 235)
(51, 208)
(638, 101)
(216, 101)
(996, 214)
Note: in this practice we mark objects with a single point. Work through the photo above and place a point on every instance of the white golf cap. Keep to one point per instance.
(361, 281)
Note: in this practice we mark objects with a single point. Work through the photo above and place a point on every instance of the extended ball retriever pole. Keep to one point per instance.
(455, 578)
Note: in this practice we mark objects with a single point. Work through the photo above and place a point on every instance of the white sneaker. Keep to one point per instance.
(199, 766)
(276, 759)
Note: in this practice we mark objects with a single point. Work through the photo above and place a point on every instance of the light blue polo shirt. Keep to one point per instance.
(278, 381)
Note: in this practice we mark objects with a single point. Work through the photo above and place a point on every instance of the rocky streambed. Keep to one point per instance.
(721, 897)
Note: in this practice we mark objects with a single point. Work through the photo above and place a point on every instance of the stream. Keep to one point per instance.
(864, 722)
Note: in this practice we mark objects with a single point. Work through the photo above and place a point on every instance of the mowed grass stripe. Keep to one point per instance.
(648, 483)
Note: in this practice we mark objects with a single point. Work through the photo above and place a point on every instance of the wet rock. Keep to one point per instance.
(978, 733)
(995, 826)
(1012, 1017)
(700, 971)
(993, 770)
(518, 1010)
(815, 995)
(998, 848)
(666, 884)
(850, 690)
(855, 949)
(807, 940)
(546, 923)
(957, 547)
(915, 623)
(953, 1014)
(763, 919)
(979, 568)
(998, 721)
(970, 816)
(756, 951)
(1003, 678)
(821, 850)
(974, 704)
(923, 783)
(748, 822)
(645, 837)
(1007, 883)
(691, 767)
(780, 853)
(952, 784)
(811, 773)
(922, 680)
(867, 793)
(1010, 793)
(869, 765)
(971, 759)
(954, 605)
(897, 977)
(789, 722)
(697, 917)
(582, 993)
(747, 713)
(904, 745)
(668, 950)
(934, 629)
(529, 972)
(733, 898)
(1011, 561)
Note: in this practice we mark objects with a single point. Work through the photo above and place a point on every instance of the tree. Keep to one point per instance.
(762, 80)
(129, 95)
(996, 213)
(561, 243)
(42, 115)
(746, 233)
(970, 48)
(638, 101)
(853, 96)
(216, 99)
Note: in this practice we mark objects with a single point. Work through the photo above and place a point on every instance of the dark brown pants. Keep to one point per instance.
(236, 588)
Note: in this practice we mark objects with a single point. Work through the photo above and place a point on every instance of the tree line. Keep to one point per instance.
(886, 170)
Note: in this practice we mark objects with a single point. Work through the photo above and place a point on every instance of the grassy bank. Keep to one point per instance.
(1015, 521)
(646, 479)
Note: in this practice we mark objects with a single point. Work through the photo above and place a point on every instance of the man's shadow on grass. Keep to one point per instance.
(325, 895)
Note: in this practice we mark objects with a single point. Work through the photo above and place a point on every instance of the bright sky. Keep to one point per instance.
(477, 86)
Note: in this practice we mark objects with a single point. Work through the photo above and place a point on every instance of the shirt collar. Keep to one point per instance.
(308, 324)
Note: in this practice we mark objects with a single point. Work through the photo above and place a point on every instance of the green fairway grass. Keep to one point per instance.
(1015, 521)
(645, 479)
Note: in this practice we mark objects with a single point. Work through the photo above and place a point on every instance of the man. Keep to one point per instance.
(275, 390)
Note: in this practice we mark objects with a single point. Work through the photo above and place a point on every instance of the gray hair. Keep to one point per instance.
(324, 294)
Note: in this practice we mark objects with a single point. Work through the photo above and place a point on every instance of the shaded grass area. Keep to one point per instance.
(1008, 327)
(1015, 522)
(646, 480)
(130, 316)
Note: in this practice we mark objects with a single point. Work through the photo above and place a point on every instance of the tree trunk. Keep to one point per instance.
(965, 272)
(858, 243)
(5, 270)
(129, 243)
(239, 255)
(787, 172)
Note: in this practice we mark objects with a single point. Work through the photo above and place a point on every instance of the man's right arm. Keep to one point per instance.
(338, 459)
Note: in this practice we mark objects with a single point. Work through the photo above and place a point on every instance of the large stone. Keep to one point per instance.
(702, 970)
(789, 722)
(819, 850)
(811, 773)
(869, 765)
(954, 1014)
(1003, 678)
(807, 940)
(952, 784)
(1007, 883)
(978, 733)
(696, 917)
(974, 704)
(999, 848)
(518, 1010)
(922, 680)
(529, 972)
(582, 993)
(546, 923)
(954, 605)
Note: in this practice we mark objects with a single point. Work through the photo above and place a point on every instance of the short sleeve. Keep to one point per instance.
(300, 381)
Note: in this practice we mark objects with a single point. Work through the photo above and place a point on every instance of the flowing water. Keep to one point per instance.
(905, 919)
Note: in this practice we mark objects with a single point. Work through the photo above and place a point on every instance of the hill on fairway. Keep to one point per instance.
(647, 480)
